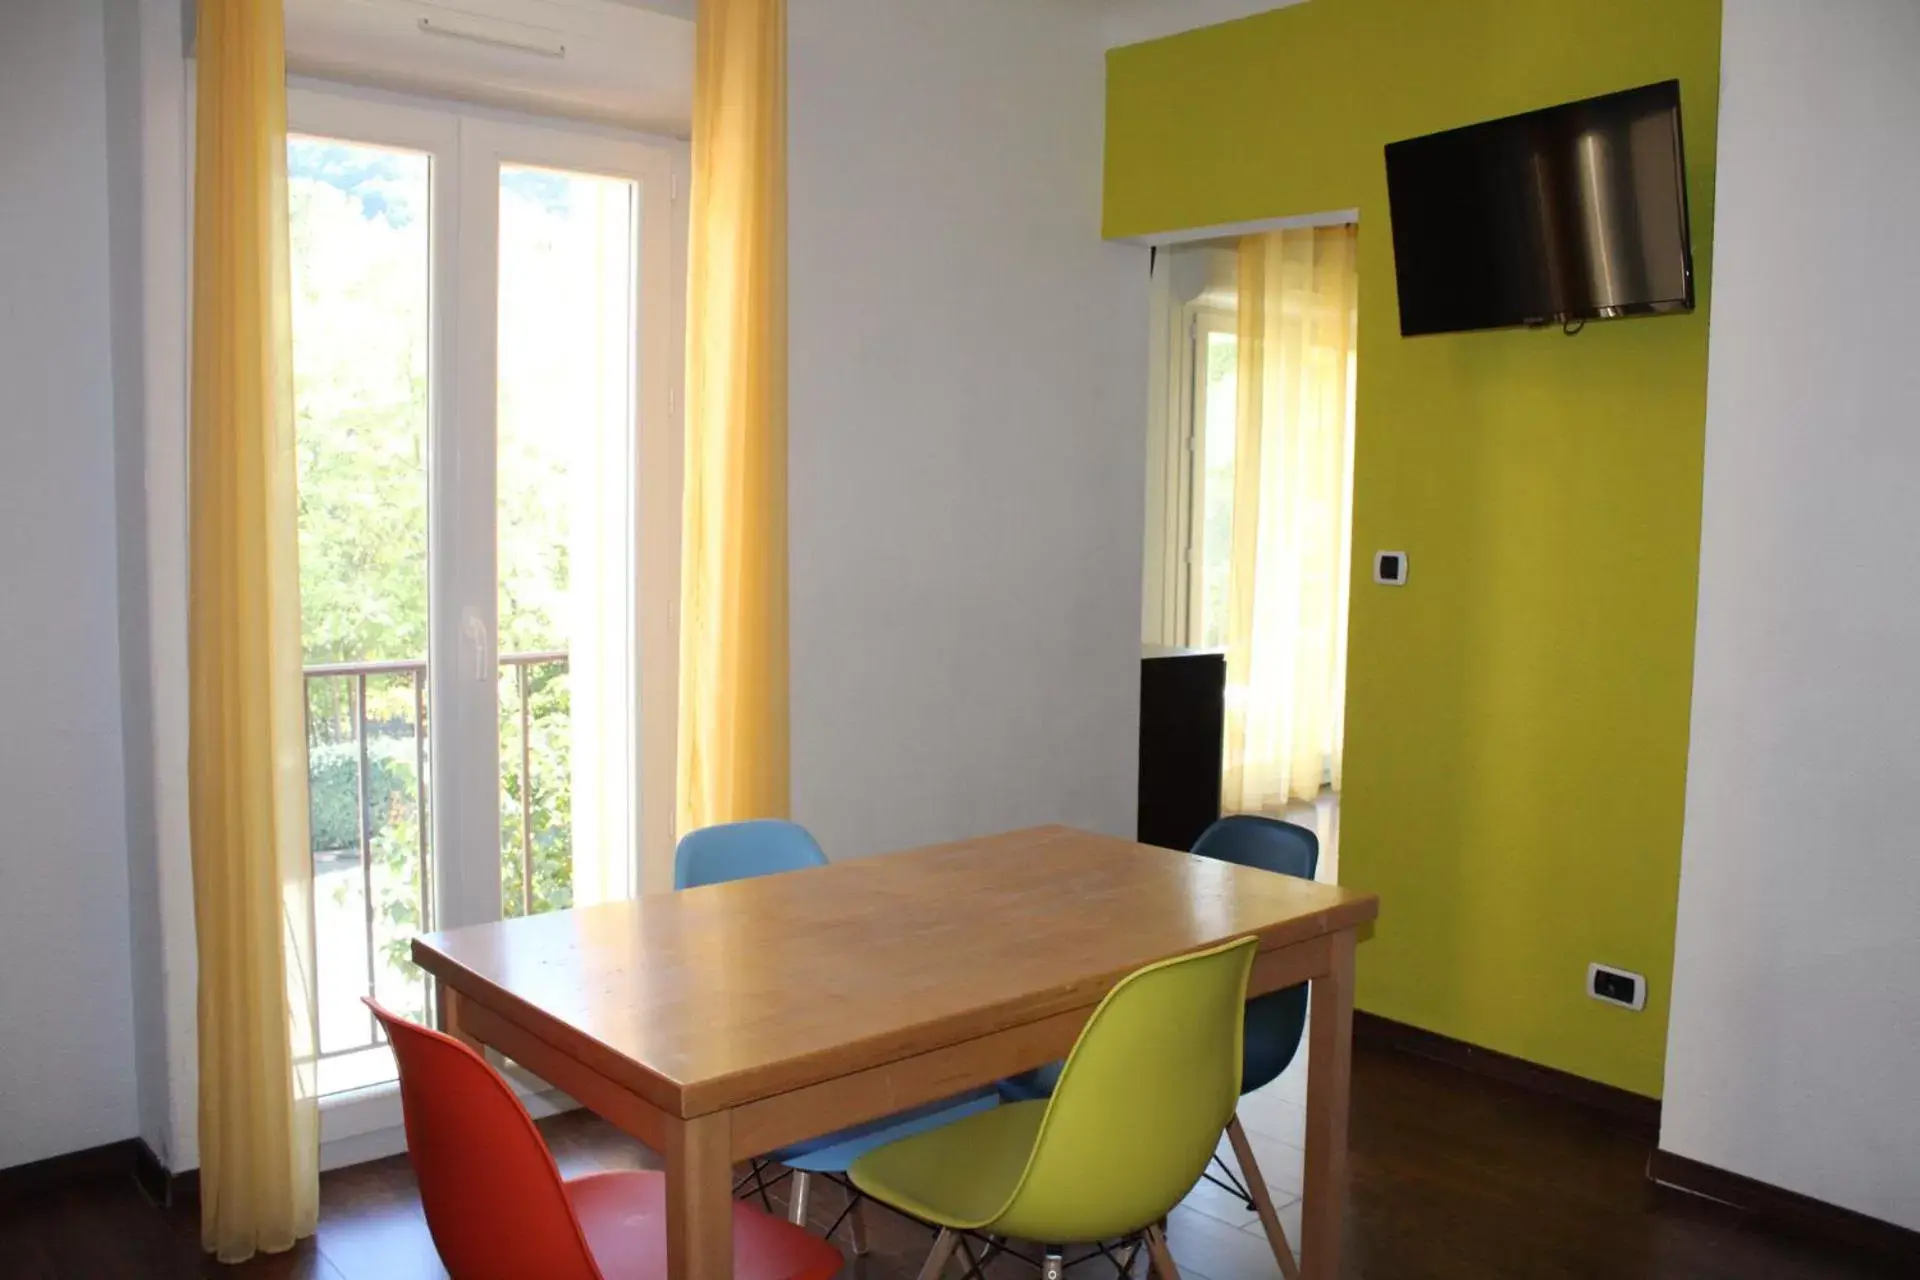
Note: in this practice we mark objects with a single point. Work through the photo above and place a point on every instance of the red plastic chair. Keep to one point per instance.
(499, 1209)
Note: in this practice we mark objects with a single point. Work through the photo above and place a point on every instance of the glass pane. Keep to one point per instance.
(1218, 405)
(359, 235)
(566, 412)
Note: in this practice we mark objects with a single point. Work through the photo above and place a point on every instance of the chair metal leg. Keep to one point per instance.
(1229, 1181)
(1055, 1266)
(975, 1266)
(994, 1247)
(754, 1184)
(797, 1198)
(1163, 1265)
(991, 1247)
(1122, 1266)
(857, 1221)
(943, 1247)
(1256, 1184)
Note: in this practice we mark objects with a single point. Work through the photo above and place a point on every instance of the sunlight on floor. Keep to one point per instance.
(1322, 816)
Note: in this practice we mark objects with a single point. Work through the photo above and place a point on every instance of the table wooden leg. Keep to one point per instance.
(1329, 1078)
(700, 1198)
(448, 1013)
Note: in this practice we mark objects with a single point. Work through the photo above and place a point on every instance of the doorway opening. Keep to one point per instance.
(1249, 502)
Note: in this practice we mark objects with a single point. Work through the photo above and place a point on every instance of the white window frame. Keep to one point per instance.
(1197, 321)
(466, 145)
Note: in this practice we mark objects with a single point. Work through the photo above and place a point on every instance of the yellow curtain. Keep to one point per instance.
(733, 628)
(1293, 485)
(252, 877)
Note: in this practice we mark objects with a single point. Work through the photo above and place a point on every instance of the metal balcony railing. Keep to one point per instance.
(343, 717)
(523, 664)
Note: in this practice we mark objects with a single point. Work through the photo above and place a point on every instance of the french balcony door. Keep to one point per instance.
(486, 346)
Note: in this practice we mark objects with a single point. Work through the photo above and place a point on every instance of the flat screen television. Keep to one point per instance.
(1574, 213)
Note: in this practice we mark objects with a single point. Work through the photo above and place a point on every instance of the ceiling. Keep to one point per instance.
(627, 62)
(674, 8)
(1132, 21)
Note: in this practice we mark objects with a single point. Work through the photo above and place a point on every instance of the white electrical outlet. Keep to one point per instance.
(1617, 986)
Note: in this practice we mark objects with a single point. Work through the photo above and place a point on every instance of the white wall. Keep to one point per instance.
(166, 994)
(127, 262)
(968, 395)
(968, 439)
(66, 1021)
(1796, 1011)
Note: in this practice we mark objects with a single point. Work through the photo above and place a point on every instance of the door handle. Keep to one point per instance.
(479, 642)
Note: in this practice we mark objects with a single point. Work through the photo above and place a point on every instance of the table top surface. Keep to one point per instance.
(712, 997)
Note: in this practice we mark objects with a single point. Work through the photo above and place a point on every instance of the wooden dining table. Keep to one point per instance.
(720, 1023)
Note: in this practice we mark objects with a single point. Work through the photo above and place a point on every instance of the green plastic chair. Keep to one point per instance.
(1131, 1126)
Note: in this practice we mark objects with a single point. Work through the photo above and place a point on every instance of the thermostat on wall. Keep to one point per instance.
(1390, 568)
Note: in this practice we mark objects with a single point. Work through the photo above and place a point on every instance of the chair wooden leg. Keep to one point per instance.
(797, 1196)
(943, 1247)
(1163, 1265)
(857, 1221)
(1262, 1199)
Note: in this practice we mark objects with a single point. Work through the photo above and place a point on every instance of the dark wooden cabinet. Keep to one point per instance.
(1182, 725)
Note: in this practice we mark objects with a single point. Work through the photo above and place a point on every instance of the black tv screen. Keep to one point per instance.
(1574, 213)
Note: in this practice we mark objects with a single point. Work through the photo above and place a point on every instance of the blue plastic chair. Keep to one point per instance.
(744, 851)
(766, 847)
(1275, 1022)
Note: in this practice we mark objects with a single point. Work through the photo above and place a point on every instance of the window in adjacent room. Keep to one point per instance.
(1208, 550)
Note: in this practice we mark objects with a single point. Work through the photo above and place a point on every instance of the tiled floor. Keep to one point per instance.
(1275, 1119)
(1322, 817)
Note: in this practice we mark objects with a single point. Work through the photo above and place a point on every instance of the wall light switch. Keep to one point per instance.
(1390, 568)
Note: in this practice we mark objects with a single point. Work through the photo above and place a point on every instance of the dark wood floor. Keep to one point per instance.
(1454, 1178)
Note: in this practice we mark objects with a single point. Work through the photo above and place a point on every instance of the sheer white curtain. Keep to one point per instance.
(1293, 487)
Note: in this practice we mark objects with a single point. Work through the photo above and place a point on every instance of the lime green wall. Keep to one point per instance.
(1517, 715)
